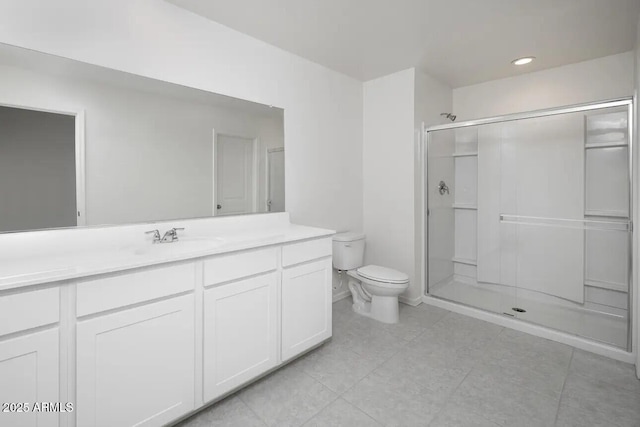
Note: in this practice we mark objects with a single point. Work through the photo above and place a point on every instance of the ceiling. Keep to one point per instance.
(460, 42)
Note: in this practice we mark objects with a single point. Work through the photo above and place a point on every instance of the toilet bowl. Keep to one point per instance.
(374, 289)
(375, 292)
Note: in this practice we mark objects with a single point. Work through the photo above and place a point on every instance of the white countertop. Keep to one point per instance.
(55, 267)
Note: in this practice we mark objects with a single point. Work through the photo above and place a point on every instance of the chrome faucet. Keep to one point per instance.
(169, 237)
(156, 235)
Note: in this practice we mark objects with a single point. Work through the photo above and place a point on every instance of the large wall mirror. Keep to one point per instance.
(86, 145)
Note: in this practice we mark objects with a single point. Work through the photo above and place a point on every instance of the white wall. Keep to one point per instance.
(393, 110)
(388, 112)
(37, 168)
(594, 80)
(323, 109)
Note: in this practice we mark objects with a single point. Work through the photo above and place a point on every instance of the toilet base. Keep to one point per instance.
(381, 308)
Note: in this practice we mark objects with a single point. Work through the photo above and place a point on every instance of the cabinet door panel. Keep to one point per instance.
(29, 373)
(138, 364)
(240, 333)
(306, 306)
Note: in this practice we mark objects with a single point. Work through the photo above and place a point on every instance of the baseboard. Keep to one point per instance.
(410, 301)
(539, 331)
(341, 295)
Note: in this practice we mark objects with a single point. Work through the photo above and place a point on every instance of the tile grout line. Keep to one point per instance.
(252, 410)
(336, 397)
(563, 384)
(463, 380)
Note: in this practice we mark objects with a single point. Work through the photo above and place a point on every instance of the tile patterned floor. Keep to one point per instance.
(437, 369)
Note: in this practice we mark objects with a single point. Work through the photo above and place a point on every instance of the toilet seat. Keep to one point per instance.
(383, 274)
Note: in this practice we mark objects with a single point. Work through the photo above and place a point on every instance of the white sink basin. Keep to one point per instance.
(182, 246)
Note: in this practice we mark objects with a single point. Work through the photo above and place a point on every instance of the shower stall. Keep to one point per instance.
(530, 216)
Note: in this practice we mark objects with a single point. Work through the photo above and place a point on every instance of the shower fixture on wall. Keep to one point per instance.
(443, 188)
(449, 116)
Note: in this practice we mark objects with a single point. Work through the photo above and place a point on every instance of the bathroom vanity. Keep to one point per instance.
(135, 333)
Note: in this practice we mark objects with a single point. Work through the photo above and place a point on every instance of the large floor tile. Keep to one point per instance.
(341, 413)
(434, 373)
(230, 412)
(288, 397)
(452, 416)
(598, 397)
(503, 402)
(394, 400)
(456, 340)
(602, 368)
(337, 366)
(603, 416)
(343, 312)
(530, 362)
(368, 340)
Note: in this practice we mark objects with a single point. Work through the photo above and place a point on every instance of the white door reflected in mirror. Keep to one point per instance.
(236, 172)
(275, 179)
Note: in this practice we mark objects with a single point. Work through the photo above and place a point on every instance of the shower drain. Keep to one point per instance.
(519, 310)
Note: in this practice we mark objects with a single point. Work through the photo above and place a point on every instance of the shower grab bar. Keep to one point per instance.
(583, 224)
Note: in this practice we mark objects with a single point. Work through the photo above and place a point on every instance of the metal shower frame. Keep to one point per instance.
(423, 153)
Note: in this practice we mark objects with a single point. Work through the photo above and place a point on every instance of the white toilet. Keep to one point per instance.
(374, 289)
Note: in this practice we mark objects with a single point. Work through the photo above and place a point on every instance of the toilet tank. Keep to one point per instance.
(348, 250)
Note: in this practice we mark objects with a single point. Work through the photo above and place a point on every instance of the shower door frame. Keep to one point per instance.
(423, 153)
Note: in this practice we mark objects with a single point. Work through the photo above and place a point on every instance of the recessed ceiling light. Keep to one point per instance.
(523, 61)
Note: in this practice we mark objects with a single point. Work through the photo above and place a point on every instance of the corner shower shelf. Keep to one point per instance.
(465, 261)
(473, 154)
(605, 145)
(620, 287)
(606, 214)
(465, 206)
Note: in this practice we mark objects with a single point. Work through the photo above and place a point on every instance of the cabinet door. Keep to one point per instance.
(29, 373)
(240, 333)
(136, 367)
(306, 306)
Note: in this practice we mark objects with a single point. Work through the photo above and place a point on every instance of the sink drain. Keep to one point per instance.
(519, 310)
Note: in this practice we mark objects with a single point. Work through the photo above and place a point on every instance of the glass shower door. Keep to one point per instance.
(564, 218)
(453, 227)
(534, 222)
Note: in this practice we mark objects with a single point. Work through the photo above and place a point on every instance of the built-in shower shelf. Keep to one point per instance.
(471, 154)
(465, 206)
(605, 145)
(606, 214)
(465, 261)
(620, 287)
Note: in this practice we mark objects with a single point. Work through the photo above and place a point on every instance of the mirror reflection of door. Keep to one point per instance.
(275, 176)
(37, 170)
(235, 175)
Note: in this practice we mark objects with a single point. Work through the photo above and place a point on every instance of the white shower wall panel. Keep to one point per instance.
(532, 168)
(465, 235)
(607, 186)
(489, 195)
(607, 258)
(466, 180)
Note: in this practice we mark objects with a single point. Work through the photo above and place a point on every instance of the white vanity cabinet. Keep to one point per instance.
(240, 319)
(30, 364)
(135, 366)
(306, 296)
(29, 361)
(240, 333)
(148, 345)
